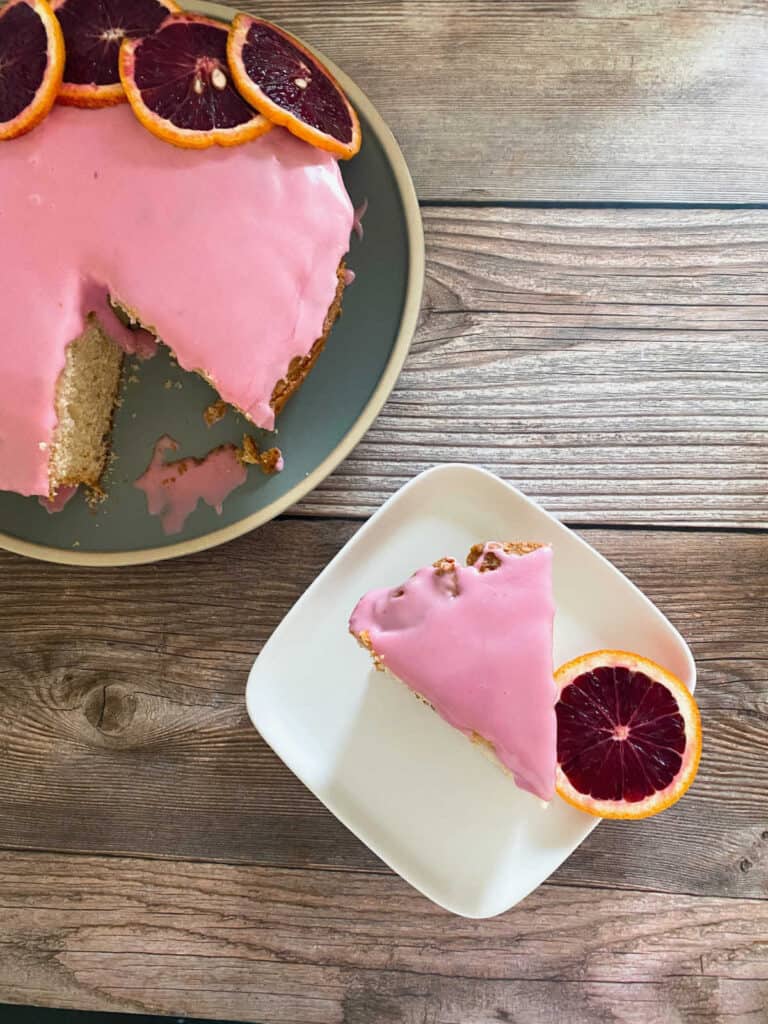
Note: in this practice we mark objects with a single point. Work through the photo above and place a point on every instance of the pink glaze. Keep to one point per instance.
(132, 342)
(173, 489)
(231, 254)
(141, 344)
(478, 647)
(57, 503)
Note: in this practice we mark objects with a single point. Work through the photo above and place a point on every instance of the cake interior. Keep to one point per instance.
(85, 402)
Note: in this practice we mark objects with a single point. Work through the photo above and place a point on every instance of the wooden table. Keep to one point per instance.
(595, 186)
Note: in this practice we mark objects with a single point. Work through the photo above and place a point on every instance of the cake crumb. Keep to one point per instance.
(484, 557)
(215, 412)
(94, 497)
(270, 461)
(446, 571)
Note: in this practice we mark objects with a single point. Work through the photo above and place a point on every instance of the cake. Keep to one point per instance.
(474, 642)
(234, 258)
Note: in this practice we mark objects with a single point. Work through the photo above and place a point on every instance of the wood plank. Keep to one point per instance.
(124, 729)
(612, 363)
(313, 947)
(640, 100)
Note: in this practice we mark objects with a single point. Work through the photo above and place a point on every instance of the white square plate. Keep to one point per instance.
(411, 787)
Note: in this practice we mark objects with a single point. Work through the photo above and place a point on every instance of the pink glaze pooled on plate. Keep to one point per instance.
(231, 255)
(478, 646)
(61, 499)
(173, 489)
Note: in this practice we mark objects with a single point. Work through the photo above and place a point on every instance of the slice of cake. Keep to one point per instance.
(234, 258)
(475, 643)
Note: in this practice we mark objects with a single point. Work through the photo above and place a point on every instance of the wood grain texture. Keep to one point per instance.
(123, 727)
(649, 100)
(312, 947)
(611, 363)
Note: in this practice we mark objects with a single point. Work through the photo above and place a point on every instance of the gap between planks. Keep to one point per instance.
(587, 204)
(754, 531)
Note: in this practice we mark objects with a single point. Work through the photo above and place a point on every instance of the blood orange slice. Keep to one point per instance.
(179, 85)
(93, 31)
(31, 65)
(628, 735)
(283, 80)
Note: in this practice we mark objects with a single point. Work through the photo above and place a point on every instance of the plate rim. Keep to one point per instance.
(436, 470)
(408, 321)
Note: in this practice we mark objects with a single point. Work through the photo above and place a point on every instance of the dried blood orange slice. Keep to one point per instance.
(282, 79)
(93, 31)
(628, 735)
(31, 65)
(179, 85)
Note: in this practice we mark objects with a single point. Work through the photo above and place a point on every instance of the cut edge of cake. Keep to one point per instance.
(87, 393)
(299, 367)
(86, 398)
(482, 552)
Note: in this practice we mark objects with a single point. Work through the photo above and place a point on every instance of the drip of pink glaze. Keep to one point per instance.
(349, 276)
(478, 646)
(133, 342)
(57, 503)
(230, 254)
(173, 489)
(145, 345)
(357, 224)
(280, 464)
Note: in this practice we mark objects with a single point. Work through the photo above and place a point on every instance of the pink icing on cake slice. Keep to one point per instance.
(230, 255)
(475, 642)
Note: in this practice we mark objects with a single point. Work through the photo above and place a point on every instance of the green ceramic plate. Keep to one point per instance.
(321, 424)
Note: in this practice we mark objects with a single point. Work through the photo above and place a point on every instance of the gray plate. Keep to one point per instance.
(321, 423)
